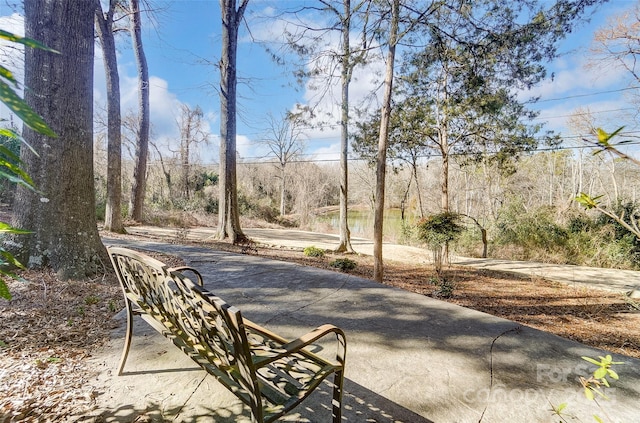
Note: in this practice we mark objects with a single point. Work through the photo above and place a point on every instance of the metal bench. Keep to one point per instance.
(268, 373)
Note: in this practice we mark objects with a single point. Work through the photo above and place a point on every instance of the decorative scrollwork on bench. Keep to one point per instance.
(267, 372)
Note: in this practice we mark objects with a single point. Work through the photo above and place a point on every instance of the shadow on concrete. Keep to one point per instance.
(408, 353)
(359, 404)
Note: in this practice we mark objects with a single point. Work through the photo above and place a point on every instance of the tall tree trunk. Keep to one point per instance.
(414, 168)
(228, 214)
(138, 188)
(104, 26)
(383, 140)
(185, 153)
(347, 70)
(283, 191)
(444, 179)
(62, 214)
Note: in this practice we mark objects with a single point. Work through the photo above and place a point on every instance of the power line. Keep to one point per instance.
(586, 113)
(569, 97)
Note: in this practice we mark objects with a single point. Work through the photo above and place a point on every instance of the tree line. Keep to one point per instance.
(452, 71)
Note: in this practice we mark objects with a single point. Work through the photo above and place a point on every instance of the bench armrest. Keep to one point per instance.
(298, 344)
(182, 269)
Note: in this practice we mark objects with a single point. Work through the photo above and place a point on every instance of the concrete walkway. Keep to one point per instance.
(410, 358)
(592, 277)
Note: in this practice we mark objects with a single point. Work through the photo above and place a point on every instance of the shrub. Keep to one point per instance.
(343, 264)
(313, 252)
(531, 232)
(437, 231)
(444, 287)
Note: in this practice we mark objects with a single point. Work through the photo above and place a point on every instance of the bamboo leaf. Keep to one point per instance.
(8, 75)
(9, 259)
(4, 290)
(16, 180)
(6, 228)
(29, 42)
(8, 153)
(23, 111)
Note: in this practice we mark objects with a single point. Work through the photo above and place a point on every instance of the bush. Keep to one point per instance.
(313, 252)
(343, 264)
(534, 233)
(444, 287)
(469, 243)
(439, 229)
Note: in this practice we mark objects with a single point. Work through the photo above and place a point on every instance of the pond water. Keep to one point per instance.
(361, 222)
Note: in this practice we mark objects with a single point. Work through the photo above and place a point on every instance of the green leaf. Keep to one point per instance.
(600, 373)
(8, 75)
(29, 42)
(16, 170)
(16, 180)
(6, 228)
(598, 419)
(8, 153)
(589, 394)
(561, 407)
(23, 111)
(591, 360)
(9, 133)
(613, 374)
(4, 291)
(9, 259)
(588, 203)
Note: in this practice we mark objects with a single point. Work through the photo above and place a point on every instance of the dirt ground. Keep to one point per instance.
(50, 327)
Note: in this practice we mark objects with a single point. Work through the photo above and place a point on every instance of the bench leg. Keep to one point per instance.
(338, 381)
(127, 338)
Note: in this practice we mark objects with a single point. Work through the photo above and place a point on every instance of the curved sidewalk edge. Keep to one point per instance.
(624, 281)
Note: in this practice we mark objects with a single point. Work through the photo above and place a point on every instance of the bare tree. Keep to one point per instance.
(285, 144)
(325, 62)
(104, 28)
(228, 213)
(191, 134)
(62, 212)
(136, 203)
(381, 161)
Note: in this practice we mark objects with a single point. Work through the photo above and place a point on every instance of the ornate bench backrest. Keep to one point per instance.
(201, 324)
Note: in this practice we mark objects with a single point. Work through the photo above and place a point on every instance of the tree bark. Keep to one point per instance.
(62, 213)
(347, 70)
(383, 140)
(104, 26)
(138, 188)
(228, 213)
(283, 190)
(185, 149)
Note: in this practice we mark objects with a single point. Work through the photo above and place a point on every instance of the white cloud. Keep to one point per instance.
(331, 152)
(245, 147)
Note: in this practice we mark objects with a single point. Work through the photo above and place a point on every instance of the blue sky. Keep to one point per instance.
(183, 45)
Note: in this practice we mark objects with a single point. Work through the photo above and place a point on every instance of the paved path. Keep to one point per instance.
(410, 359)
(609, 279)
